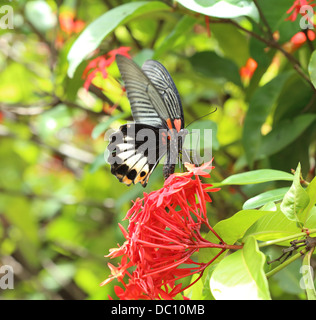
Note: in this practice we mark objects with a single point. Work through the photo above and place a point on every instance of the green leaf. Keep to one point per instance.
(265, 197)
(231, 230)
(182, 27)
(310, 222)
(295, 94)
(307, 280)
(311, 191)
(92, 36)
(232, 42)
(260, 106)
(284, 133)
(256, 176)
(240, 276)
(312, 68)
(296, 199)
(222, 8)
(273, 225)
(211, 65)
(234, 228)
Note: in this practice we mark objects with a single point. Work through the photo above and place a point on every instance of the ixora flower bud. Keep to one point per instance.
(163, 233)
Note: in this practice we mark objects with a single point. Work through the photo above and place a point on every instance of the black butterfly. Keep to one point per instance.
(136, 148)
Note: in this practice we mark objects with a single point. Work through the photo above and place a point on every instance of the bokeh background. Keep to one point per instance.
(59, 202)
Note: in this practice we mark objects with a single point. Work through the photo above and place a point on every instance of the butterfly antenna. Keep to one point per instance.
(202, 117)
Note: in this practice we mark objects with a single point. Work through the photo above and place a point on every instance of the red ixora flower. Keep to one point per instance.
(101, 63)
(163, 234)
(247, 71)
(296, 7)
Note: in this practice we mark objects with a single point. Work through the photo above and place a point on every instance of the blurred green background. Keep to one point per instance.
(59, 203)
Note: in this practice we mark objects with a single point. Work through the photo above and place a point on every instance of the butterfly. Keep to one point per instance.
(158, 128)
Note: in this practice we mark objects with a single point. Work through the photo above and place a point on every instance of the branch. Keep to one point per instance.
(264, 20)
(272, 44)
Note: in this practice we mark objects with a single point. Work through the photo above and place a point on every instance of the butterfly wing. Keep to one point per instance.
(135, 150)
(152, 93)
(146, 103)
(163, 82)
(155, 104)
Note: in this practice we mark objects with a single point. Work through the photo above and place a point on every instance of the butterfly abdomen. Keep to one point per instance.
(168, 170)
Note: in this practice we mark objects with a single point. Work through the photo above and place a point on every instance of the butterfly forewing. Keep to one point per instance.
(146, 103)
(163, 82)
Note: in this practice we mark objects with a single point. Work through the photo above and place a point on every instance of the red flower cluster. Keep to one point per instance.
(101, 63)
(163, 233)
(296, 7)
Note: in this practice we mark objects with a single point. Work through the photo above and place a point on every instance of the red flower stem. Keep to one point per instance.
(202, 271)
(214, 232)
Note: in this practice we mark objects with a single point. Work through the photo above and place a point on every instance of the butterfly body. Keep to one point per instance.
(158, 128)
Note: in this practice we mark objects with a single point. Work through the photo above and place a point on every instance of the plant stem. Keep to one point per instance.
(263, 18)
(293, 236)
(286, 263)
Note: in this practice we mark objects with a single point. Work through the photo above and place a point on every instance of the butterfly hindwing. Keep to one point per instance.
(132, 157)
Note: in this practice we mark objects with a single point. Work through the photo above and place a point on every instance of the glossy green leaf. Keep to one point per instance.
(272, 226)
(283, 134)
(247, 280)
(256, 176)
(232, 42)
(296, 199)
(92, 36)
(265, 197)
(260, 106)
(234, 228)
(311, 191)
(312, 68)
(222, 8)
(212, 65)
(231, 230)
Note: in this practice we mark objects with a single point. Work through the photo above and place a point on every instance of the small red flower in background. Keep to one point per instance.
(1, 116)
(298, 40)
(248, 70)
(163, 234)
(296, 7)
(68, 25)
(101, 63)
